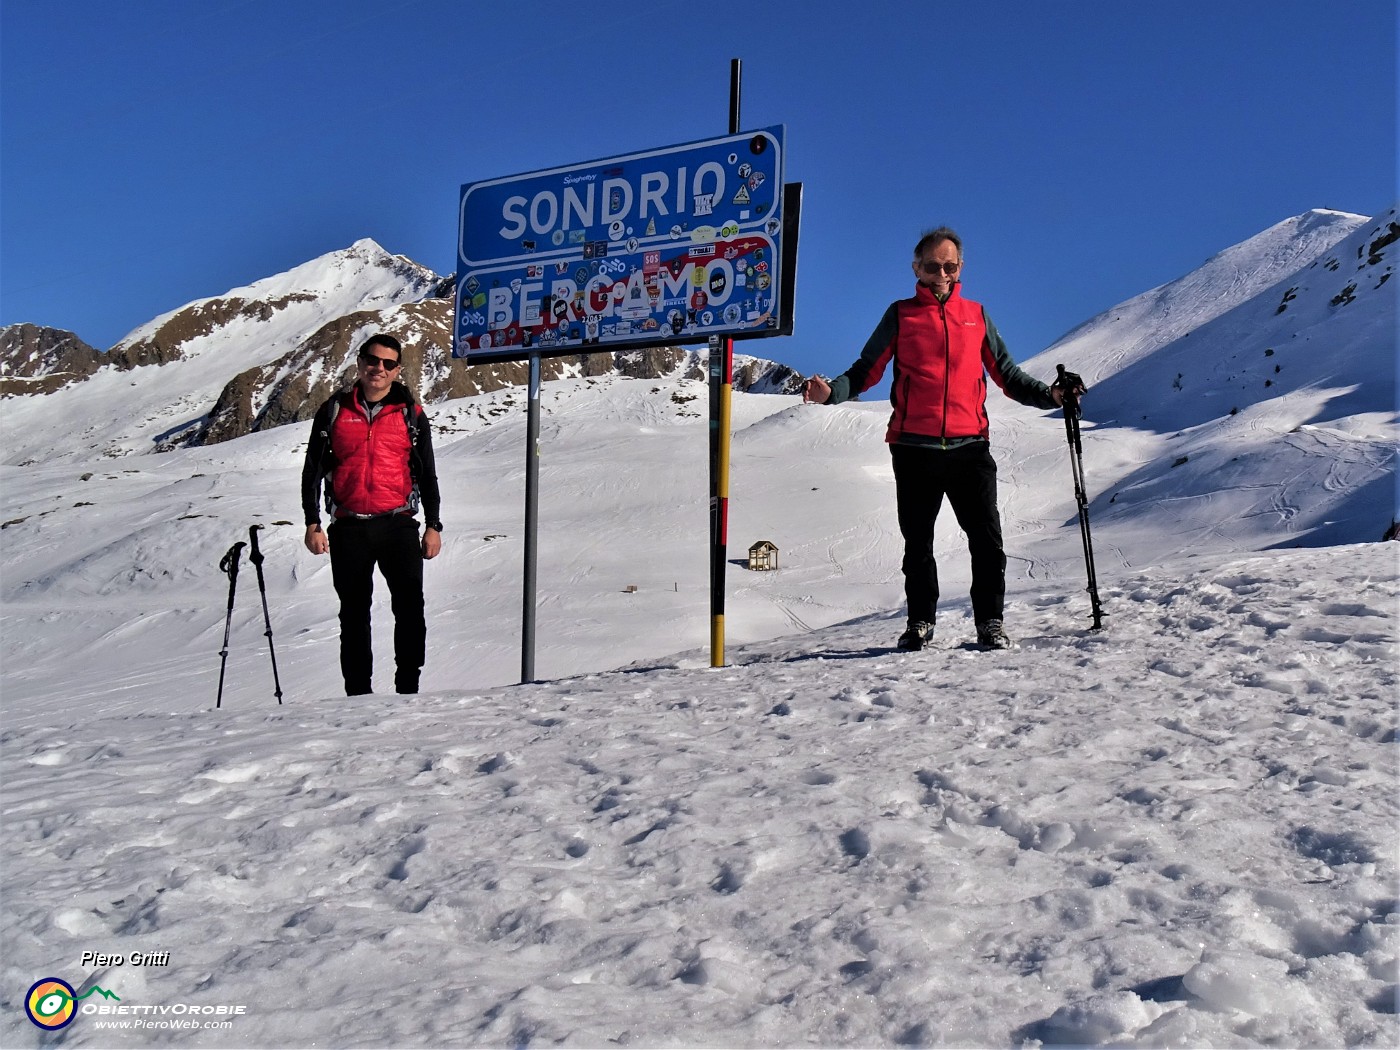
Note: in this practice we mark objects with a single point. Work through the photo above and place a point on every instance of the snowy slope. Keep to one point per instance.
(1266, 408)
(1107, 344)
(1178, 831)
(624, 480)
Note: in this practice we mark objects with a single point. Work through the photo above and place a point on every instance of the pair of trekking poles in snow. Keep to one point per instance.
(229, 566)
(1070, 384)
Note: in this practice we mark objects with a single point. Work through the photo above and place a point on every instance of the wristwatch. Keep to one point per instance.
(436, 526)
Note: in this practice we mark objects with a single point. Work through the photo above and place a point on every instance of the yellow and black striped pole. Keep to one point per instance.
(721, 395)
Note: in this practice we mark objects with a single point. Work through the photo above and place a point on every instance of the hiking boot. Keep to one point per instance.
(991, 635)
(406, 682)
(915, 636)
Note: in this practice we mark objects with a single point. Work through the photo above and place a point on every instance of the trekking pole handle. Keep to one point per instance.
(1070, 385)
(228, 564)
(255, 555)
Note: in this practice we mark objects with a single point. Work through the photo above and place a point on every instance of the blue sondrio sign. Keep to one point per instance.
(668, 245)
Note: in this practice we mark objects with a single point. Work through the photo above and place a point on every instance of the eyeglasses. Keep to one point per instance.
(370, 360)
(948, 268)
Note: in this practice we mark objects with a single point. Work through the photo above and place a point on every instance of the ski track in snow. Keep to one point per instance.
(1178, 831)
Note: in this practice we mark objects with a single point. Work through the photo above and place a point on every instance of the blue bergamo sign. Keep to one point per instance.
(665, 246)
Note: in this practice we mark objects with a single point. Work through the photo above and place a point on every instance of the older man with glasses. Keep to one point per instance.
(942, 346)
(372, 447)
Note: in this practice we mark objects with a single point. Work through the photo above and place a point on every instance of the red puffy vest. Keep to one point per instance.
(372, 473)
(940, 383)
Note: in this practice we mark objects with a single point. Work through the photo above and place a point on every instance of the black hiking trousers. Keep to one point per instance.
(967, 475)
(391, 543)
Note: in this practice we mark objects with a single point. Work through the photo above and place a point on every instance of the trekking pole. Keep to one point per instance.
(1070, 383)
(229, 566)
(256, 557)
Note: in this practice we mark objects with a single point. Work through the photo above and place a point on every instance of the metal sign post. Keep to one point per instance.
(532, 522)
(721, 400)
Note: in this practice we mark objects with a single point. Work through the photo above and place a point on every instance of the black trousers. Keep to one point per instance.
(357, 547)
(967, 475)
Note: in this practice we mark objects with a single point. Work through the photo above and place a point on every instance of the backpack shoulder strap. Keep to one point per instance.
(327, 460)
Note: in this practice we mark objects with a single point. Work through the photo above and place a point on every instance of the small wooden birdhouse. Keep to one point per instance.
(763, 555)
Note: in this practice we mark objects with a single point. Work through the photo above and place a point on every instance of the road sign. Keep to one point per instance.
(670, 245)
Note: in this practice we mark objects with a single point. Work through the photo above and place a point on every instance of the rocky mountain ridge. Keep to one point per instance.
(268, 354)
(39, 360)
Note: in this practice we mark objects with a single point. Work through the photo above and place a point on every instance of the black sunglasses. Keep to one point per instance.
(948, 268)
(388, 364)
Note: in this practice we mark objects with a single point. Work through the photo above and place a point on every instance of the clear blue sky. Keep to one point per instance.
(159, 151)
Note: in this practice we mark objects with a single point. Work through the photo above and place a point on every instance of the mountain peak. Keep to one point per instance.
(1142, 325)
(1284, 316)
(365, 272)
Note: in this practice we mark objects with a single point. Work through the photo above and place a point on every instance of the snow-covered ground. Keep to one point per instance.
(1178, 831)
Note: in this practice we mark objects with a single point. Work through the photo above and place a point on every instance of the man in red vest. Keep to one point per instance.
(942, 346)
(372, 446)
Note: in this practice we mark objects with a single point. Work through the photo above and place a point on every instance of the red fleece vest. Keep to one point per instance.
(372, 473)
(940, 383)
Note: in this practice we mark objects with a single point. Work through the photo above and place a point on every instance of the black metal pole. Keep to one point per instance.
(721, 398)
(532, 486)
(736, 69)
(1081, 496)
(256, 557)
(228, 565)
